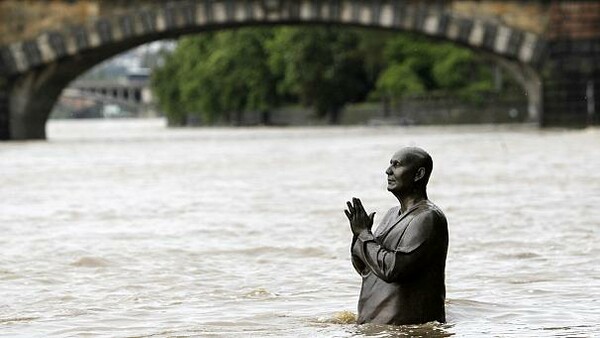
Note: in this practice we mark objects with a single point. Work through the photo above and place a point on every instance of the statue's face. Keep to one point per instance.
(400, 173)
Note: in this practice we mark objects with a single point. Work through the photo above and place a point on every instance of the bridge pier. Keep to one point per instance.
(4, 114)
(572, 84)
(31, 98)
(571, 71)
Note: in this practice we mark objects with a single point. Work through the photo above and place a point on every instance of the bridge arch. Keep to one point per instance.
(39, 69)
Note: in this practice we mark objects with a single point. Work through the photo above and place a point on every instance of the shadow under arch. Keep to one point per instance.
(38, 70)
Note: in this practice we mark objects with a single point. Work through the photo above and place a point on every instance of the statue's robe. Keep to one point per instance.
(402, 267)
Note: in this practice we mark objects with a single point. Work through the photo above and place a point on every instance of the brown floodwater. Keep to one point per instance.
(124, 228)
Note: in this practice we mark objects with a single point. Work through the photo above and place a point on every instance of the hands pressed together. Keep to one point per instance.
(359, 220)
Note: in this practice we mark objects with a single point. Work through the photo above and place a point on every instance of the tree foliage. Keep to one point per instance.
(219, 76)
(322, 66)
(416, 65)
(165, 83)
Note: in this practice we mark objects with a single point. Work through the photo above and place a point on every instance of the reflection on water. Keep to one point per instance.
(126, 228)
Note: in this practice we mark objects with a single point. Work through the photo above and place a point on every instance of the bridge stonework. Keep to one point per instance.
(550, 46)
(572, 67)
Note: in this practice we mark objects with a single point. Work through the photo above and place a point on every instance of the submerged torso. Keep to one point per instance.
(419, 296)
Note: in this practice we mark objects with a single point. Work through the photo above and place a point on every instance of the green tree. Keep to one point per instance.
(417, 65)
(217, 76)
(165, 83)
(463, 73)
(322, 66)
(408, 71)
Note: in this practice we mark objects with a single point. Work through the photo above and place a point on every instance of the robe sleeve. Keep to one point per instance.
(412, 253)
(357, 262)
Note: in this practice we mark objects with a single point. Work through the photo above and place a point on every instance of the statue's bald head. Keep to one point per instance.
(417, 158)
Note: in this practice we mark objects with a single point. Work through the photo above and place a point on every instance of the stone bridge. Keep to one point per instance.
(551, 47)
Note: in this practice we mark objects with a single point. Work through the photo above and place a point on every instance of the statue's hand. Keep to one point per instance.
(359, 220)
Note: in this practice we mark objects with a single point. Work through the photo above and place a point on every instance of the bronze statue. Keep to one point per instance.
(402, 263)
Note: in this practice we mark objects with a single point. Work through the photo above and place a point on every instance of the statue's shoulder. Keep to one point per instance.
(436, 209)
(432, 212)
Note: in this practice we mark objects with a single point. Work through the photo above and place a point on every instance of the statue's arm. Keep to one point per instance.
(357, 263)
(412, 254)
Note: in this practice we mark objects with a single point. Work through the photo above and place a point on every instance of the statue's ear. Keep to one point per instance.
(420, 173)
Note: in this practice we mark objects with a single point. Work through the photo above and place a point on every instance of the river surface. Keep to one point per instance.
(124, 228)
